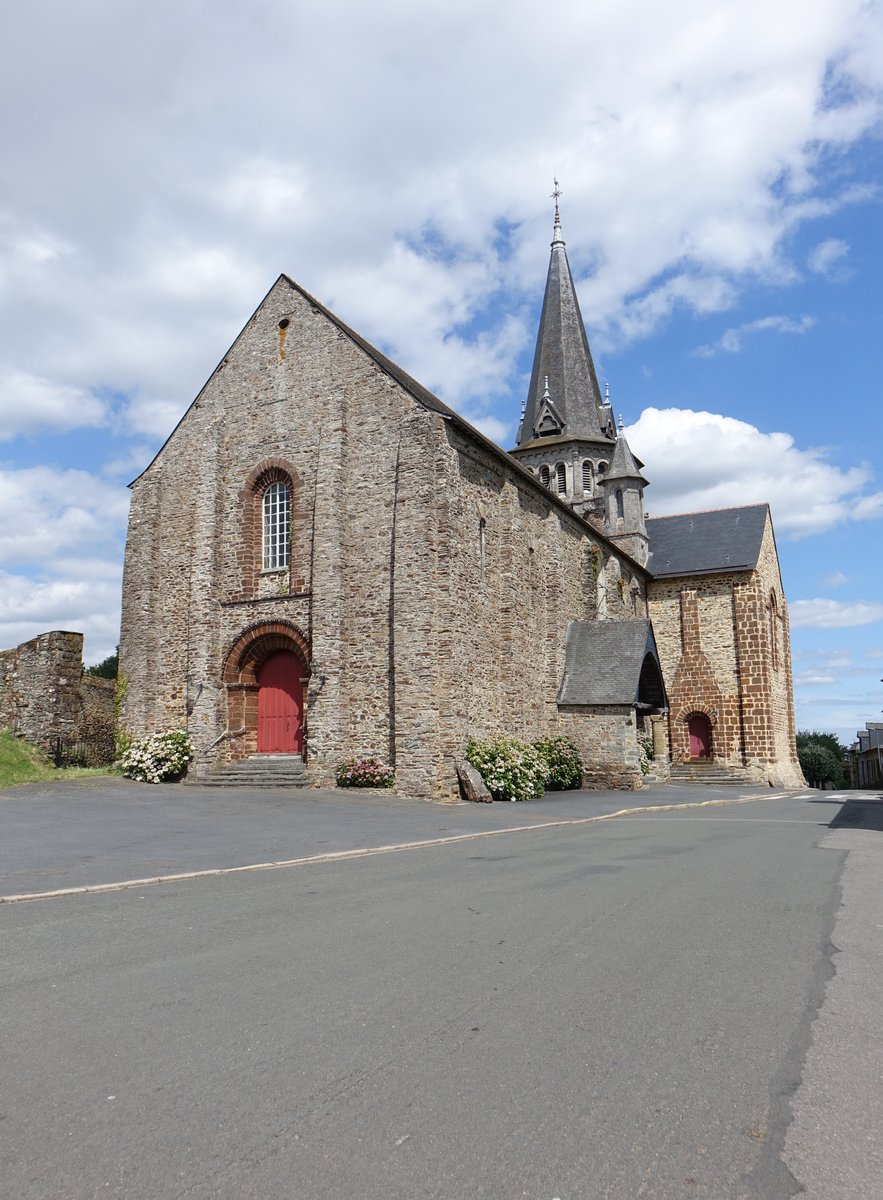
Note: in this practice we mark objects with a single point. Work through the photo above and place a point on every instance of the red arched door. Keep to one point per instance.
(700, 736)
(280, 704)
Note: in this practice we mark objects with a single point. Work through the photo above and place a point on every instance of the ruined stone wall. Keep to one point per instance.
(44, 694)
(716, 650)
(430, 583)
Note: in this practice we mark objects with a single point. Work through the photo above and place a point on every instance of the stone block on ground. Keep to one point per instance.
(472, 785)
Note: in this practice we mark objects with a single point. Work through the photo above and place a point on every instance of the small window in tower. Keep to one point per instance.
(620, 506)
(544, 476)
(774, 630)
(276, 527)
(602, 467)
(587, 477)
(561, 479)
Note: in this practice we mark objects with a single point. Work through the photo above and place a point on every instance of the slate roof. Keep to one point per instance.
(701, 543)
(562, 355)
(603, 661)
(623, 464)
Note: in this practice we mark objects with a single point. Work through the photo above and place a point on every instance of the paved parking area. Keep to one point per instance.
(104, 829)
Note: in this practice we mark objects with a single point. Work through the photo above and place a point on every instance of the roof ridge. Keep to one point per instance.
(700, 512)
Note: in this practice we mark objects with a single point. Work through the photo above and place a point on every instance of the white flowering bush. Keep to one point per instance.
(645, 752)
(562, 757)
(511, 770)
(364, 772)
(158, 757)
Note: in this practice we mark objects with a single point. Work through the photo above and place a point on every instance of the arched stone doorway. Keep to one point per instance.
(265, 673)
(699, 733)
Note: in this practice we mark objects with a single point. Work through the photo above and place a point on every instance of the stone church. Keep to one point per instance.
(324, 561)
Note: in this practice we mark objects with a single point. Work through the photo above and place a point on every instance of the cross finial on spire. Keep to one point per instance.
(557, 238)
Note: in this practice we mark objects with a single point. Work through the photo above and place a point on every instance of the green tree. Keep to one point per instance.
(108, 667)
(833, 769)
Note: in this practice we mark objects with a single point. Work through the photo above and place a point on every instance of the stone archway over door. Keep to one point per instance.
(699, 728)
(280, 704)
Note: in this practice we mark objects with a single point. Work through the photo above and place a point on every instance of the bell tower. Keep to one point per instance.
(567, 436)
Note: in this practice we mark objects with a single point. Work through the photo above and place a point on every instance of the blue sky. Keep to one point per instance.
(721, 171)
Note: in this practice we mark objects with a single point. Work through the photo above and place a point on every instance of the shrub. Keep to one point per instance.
(561, 755)
(819, 765)
(158, 757)
(645, 752)
(364, 772)
(512, 770)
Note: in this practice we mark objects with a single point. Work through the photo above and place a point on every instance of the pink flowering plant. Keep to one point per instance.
(158, 758)
(364, 772)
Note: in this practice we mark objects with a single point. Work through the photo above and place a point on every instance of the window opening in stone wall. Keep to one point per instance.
(544, 476)
(482, 546)
(276, 527)
(602, 467)
(774, 639)
(561, 479)
(620, 506)
(587, 477)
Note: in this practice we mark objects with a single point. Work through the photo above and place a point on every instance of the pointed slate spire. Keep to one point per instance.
(624, 465)
(563, 357)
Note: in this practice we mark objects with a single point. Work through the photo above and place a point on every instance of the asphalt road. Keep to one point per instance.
(612, 1009)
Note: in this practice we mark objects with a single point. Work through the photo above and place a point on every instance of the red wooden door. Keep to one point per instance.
(700, 736)
(280, 705)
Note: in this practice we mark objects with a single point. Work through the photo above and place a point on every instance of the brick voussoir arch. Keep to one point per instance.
(270, 470)
(689, 710)
(254, 645)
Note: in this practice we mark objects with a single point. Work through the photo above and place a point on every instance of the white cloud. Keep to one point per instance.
(705, 460)
(66, 530)
(827, 258)
(29, 405)
(45, 514)
(835, 579)
(91, 607)
(834, 614)
(691, 141)
(731, 340)
(813, 679)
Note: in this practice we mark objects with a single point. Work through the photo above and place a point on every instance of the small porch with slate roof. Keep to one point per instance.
(612, 662)
(613, 667)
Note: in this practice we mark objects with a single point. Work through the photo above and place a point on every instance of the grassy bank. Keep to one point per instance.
(23, 763)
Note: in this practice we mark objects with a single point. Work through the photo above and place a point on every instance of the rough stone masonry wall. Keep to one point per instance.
(693, 622)
(714, 644)
(764, 650)
(44, 694)
(518, 568)
(430, 582)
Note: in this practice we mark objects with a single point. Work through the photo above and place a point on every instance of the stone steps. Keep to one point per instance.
(258, 770)
(707, 773)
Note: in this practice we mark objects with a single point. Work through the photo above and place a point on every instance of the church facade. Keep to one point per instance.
(324, 561)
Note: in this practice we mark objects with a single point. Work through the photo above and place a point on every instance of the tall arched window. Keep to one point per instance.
(544, 476)
(276, 527)
(620, 506)
(587, 477)
(561, 479)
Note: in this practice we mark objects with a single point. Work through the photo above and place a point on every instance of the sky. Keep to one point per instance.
(720, 168)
